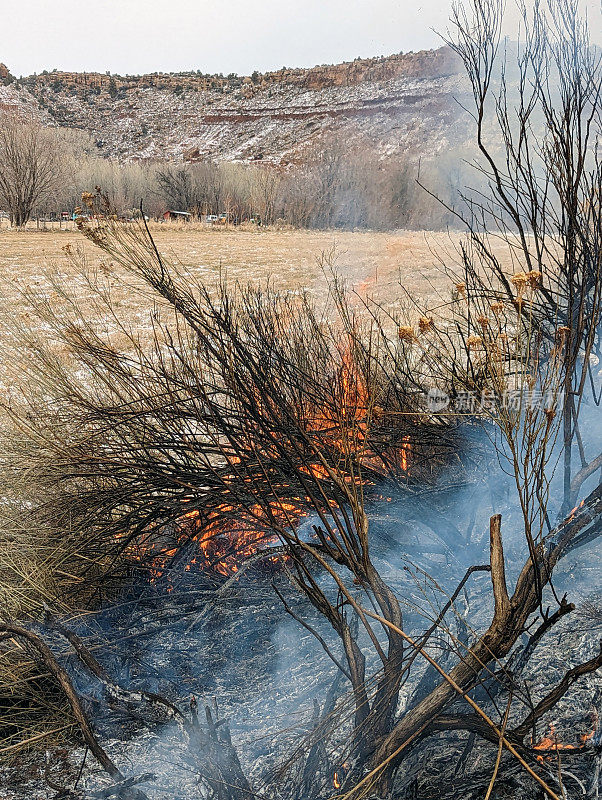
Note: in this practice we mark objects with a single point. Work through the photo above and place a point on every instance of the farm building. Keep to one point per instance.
(182, 216)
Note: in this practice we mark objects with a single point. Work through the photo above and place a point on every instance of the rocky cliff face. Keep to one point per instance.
(399, 103)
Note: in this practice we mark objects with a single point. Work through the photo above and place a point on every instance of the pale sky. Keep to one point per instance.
(136, 36)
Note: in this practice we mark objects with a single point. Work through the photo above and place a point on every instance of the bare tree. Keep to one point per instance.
(179, 188)
(538, 137)
(264, 193)
(31, 166)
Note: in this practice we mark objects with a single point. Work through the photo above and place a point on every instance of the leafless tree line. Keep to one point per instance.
(31, 168)
(45, 170)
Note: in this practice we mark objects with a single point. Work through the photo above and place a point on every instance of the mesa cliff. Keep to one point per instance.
(398, 103)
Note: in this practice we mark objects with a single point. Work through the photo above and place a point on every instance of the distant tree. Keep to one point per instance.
(181, 187)
(30, 166)
(264, 193)
(112, 88)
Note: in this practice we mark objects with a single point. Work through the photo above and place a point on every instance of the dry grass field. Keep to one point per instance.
(290, 257)
(377, 264)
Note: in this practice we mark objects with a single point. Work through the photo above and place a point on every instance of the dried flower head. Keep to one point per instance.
(461, 289)
(425, 324)
(474, 342)
(520, 282)
(88, 199)
(534, 277)
(96, 235)
(550, 414)
(562, 334)
(406, 333)
(483, 322)
(497, 353)
(497, 307)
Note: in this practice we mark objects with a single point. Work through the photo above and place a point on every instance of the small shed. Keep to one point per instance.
(182, 216)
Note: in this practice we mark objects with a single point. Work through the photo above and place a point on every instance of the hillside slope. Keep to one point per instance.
(396, 104)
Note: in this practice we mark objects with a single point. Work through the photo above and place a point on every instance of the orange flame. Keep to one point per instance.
(571, 516)
(339, 775)
(406, 449)
(223, 544)
(552, 743)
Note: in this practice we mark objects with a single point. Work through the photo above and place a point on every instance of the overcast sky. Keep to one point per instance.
(135, 36)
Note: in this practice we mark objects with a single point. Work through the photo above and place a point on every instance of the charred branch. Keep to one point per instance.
(63, 679)
(550, 700)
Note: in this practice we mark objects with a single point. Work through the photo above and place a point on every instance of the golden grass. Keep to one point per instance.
(369, 262)
(389, 266)
(288, 256)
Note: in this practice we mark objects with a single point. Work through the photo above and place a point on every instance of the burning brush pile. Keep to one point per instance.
(292, 554)
(301, 551)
